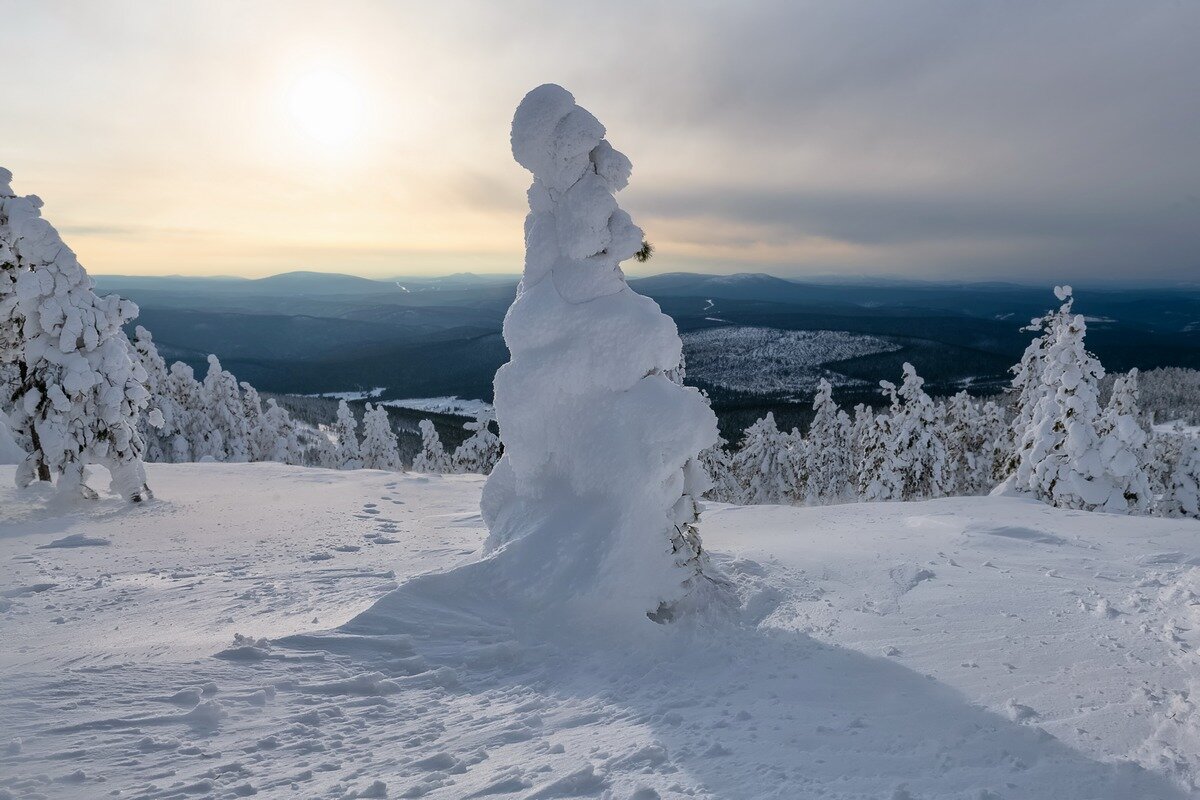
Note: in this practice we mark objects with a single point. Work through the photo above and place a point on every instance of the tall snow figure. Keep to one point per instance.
(596, 494)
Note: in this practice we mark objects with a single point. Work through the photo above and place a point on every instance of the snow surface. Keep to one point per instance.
(244, 633)
(772, 360)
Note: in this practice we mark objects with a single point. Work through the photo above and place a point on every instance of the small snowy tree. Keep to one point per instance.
(1123, 448)
(968, 455)
(918, 440)
(79, 393)
(288, 449)
(380, 449)
(197, 439)
(764, 466)
(597, 491)
(1182, 496)
(225, 408)
(827, 466)
(718, 464)
(345, 433)
(480, 451)
(260, 436)
(432, 458)
(159, 425)
(877, 477)
(996, 445)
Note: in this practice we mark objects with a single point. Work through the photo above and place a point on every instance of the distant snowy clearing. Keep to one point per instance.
(213, 644)
(443, 405)
(772, 360)
(350, 396)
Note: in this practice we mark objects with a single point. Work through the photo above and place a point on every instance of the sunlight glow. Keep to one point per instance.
(326, 105)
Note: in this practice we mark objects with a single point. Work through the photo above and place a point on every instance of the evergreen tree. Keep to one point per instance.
(227, 411)
(261, 437)
(380, 449)
(79, 393)
(1123, 444)
(432, 459)
(718, 464)
(968, 456)
(277, 422)
(481, 450)
(877, 477)
(159, 425)
(918, 440)
(1061, 462)
(345, 433)
(764, 468)
(1182, 496)
(1027, 383)
(827, 465)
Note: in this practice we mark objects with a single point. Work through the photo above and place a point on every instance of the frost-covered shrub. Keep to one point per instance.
(596, 493)
(79, 392)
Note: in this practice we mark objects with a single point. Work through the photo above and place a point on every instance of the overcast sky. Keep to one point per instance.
(971, 140)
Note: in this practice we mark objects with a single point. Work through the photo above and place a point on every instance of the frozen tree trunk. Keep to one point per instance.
(596, 494)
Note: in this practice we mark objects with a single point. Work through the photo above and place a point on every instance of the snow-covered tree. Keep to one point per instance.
(997, 445)
(277, 422)
(159, 425)
(765, 466)
(1028, 385)
(480, 451)
(260, 436)
(1123, 444)
(597, 490)
(79, 393)
(1061, 460)
(432, 458)
(345, 433)
(827, 454)
(918, 439)
(226, 409)
(968, 448)
(877, 477)
(718, 464)
(197, 439)
(1182, 495)
(380, 449)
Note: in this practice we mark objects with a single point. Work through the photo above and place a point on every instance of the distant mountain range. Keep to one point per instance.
(309, 332)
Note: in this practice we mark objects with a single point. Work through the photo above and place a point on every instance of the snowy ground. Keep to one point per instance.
(213, 644)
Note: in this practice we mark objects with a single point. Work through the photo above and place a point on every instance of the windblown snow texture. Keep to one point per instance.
(593, 500)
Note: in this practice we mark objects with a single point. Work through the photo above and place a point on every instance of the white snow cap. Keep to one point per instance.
(5, 183)
(1062, 292)
(599, 471)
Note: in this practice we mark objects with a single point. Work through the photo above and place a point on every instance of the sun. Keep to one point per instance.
(326, 106)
